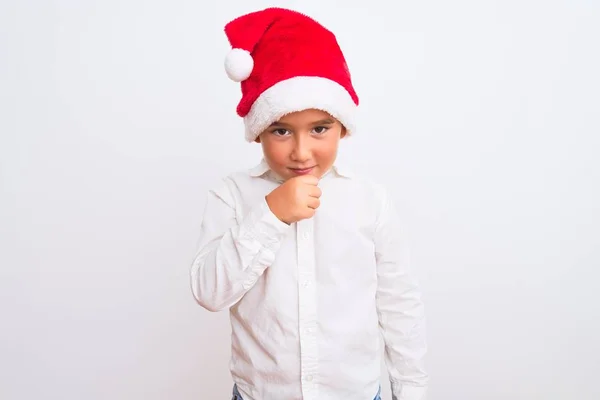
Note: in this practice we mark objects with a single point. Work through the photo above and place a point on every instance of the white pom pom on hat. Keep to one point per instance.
(239, 65)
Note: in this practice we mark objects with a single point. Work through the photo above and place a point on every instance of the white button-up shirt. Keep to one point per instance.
(308, 300)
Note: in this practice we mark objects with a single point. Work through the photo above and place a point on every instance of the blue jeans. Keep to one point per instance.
(237, 396)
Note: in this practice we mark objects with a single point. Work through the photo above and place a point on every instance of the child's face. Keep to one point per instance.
(301, 143)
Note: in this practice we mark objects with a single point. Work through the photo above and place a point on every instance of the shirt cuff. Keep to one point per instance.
(264, 227)
(263, 231)
(408, 392)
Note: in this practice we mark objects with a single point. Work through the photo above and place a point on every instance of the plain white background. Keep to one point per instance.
(116, 117)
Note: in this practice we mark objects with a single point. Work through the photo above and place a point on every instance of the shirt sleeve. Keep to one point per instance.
(231, 256)
(400, 309)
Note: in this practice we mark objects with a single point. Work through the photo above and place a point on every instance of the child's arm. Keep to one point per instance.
(232, 256)
(400, 310)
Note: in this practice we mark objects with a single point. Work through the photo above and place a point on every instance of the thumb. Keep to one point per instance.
(309, 179)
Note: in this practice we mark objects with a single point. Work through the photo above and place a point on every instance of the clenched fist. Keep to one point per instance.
(296, 199)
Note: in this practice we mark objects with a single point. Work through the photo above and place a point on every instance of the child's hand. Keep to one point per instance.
(296, 199)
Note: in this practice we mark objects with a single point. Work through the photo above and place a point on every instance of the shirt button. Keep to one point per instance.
(306, 283)
(305, 235)
(309, 378)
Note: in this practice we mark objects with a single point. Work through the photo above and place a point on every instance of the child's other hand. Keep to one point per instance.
(295, 199)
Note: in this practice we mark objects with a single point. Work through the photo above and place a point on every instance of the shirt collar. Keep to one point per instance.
(263, 169)
(260, 169)
(342, 169)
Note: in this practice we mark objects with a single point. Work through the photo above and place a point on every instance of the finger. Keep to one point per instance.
(313, 202)
(308, 213)
(315, 191)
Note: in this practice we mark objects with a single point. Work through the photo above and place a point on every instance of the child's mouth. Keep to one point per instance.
(301, 171)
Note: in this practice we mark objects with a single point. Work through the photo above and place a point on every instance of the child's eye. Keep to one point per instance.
(280, 132)
(319, 130)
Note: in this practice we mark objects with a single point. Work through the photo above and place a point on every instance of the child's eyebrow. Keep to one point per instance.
(279, 123)
(326, 121)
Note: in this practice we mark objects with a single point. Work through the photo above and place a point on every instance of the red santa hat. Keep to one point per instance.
(287, 62)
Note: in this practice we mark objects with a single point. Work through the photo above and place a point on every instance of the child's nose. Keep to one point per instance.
(301, 151)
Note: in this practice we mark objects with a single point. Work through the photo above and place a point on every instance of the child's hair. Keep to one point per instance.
(287, 62)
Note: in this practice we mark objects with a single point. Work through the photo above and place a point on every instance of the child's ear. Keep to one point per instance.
(343, 133)
(257, 140)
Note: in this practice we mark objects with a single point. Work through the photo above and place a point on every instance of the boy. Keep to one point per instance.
(306, 255)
